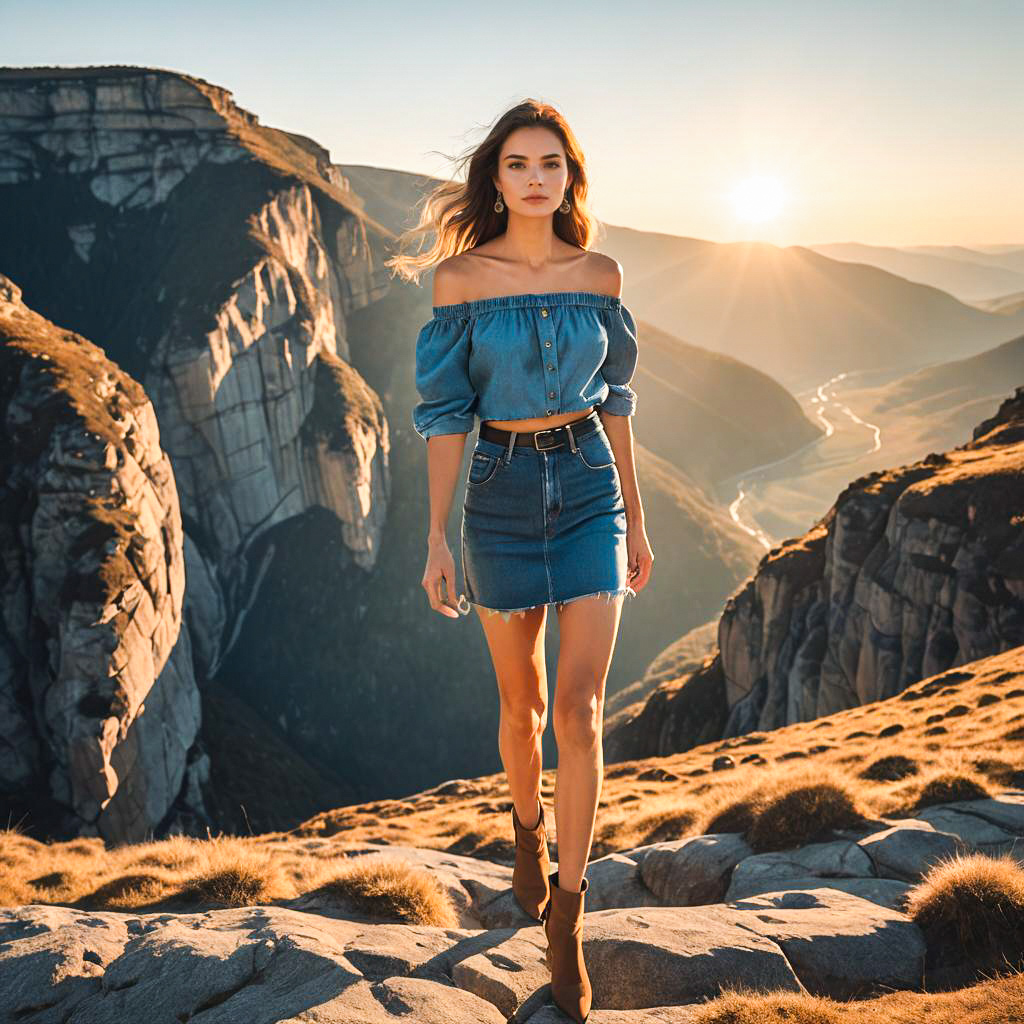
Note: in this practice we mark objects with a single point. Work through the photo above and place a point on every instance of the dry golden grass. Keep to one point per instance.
(784, 807)
(129, 891)
(254, 881)
(664, 826)
(800, 814)
(390, 890)
(948, 787)
(981, 703)
(992, 1002)
(222, 871)
(657, 817)
(642, 801)
(971, 910)
(184, 874)
(952, 776)
(890, 768)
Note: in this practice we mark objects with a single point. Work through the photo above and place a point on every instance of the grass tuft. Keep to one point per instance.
(970, 908)
(802, 814)
(948, 787)
(891, 768)
(387, 889)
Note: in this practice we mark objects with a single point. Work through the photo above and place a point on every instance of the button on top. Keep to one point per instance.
(543, 312)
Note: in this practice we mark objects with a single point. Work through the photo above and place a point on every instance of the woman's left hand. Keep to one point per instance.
(640, 558)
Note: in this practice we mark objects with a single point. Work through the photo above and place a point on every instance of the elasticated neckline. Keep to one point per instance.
(526, 299)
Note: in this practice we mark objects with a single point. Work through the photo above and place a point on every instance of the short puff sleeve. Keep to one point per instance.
(620, 363)
(447, 398)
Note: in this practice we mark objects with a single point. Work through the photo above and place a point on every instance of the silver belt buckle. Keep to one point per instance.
(546, 430)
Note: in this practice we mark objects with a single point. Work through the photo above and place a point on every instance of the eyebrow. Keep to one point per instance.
(522, 156)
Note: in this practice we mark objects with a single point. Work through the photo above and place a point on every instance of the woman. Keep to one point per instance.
(530, 333)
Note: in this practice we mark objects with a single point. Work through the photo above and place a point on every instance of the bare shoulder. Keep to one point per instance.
(450, 278)
(605, 273)
(462, 277)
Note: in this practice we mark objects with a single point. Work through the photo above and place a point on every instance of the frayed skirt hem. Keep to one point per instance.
(507, 613)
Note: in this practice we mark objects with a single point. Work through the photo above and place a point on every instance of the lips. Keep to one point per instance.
(532, 199)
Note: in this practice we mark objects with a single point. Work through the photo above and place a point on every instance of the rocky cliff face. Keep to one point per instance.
(99, 712)
(263, 417)
(217, 261)
(912, 571)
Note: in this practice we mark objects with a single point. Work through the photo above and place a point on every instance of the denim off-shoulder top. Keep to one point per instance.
(519, 356)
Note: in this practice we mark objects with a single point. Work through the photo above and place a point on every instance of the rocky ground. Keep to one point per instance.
(814, 899)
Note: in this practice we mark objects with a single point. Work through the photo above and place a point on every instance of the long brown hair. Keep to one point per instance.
(462, 214)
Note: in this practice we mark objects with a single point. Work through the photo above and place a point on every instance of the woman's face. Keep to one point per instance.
(532, 163)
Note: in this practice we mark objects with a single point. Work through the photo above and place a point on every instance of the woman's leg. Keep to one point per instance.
(517, 651)
(587, 629)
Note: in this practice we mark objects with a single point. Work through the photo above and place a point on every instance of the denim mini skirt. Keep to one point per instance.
(544, 527)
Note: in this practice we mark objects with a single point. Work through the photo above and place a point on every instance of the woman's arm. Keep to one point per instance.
(444, 461)
(617, 421)
(620, 436)
(445, 453)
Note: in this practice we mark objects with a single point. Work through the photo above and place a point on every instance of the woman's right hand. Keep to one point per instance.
(440, 566)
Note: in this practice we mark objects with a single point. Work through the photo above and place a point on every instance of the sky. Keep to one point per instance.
(796, 122)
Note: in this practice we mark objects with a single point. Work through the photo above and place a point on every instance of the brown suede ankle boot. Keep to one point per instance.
(563, 925)
(530, 874)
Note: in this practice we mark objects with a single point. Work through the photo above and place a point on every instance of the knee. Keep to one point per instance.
(526, 719)
(578, 724)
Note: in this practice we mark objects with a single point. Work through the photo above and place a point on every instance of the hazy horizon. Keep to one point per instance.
(892, 125)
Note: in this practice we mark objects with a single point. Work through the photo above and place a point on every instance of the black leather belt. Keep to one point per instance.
(544, 440)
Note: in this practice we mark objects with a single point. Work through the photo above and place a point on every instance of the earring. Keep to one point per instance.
(499, 205)
(565, 207)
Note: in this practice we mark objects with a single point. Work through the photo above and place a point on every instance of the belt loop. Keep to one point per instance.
(572, 440)
(511, 443)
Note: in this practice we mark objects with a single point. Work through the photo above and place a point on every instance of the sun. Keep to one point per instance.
(758, 198)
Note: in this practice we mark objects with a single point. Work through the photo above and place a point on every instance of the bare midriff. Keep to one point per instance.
(540, 422)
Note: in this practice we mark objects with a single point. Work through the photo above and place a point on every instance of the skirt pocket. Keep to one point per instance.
(483, 468)
(595, 451)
